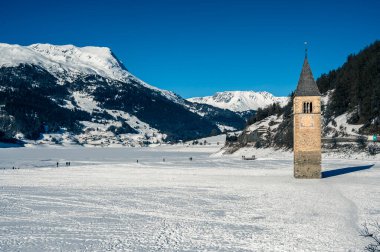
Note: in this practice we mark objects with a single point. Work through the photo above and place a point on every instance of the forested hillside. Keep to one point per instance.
(353, 90)
(86, 95)
(356, 88)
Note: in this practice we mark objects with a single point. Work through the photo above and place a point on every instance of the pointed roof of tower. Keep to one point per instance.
(306, 84)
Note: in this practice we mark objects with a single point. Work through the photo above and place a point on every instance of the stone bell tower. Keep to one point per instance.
(307, 126)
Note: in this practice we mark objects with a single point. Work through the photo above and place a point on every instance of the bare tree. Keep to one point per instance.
(372, 233)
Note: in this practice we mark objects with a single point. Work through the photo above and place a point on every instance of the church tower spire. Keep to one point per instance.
(306, 83)
(305, 49)
(307, 125)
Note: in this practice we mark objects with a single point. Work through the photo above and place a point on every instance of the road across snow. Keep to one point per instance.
(108, 201)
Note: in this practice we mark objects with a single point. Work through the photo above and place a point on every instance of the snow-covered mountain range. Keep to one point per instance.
(240, 101)
(86, 95)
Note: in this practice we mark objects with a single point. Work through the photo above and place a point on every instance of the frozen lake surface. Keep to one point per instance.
(106, 201)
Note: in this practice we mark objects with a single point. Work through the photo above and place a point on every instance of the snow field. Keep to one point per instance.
(108, 201)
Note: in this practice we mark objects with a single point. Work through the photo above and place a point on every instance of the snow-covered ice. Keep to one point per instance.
(106, 201)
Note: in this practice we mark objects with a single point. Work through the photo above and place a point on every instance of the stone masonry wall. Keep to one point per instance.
(307, 138)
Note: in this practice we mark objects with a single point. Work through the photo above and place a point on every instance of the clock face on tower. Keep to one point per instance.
(306, 121)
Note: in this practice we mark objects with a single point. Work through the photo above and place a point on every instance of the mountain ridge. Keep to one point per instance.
(46, 89)
(240, 101)
(69, 62)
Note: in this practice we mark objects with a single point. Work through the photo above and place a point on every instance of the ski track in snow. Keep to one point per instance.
(106, 201)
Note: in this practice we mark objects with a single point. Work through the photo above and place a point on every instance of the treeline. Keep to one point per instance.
(283, 137)
(220, 116)
(357, 88)
(30, 96)
(150, 106)
(35, 114)
(262, 113)
(272, 109)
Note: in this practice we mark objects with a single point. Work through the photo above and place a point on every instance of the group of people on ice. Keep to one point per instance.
(67, 164)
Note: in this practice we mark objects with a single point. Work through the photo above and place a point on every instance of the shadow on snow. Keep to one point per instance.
(341, 171)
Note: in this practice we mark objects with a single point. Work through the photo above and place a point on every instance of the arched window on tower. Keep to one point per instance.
(307, 107)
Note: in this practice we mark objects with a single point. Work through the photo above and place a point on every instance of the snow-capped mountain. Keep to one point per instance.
(240, 101)
(88, 96)
(68, 62)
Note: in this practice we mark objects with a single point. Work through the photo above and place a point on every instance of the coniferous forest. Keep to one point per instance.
(356, 88)
(353, 88)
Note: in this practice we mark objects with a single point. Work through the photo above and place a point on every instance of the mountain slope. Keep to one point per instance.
(225, 119)
(240, 101)
(350, 108)
(89, 96)
(355, 88)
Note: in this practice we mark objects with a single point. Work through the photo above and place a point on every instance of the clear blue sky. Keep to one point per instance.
(196, 48)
